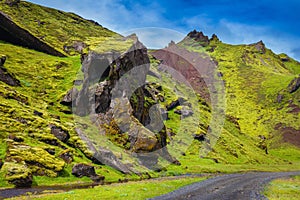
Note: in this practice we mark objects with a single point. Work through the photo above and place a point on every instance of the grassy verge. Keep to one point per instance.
(284, 189)
(130, 190)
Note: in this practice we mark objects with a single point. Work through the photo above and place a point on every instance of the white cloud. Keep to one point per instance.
(155, 38)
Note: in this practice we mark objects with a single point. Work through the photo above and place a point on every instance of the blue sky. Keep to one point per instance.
(277, 23)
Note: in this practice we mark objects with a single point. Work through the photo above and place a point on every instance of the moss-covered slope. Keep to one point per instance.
(40, 141)
(67, 33)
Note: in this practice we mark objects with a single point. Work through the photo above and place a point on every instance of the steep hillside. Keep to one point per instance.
(66, 33)
(262, 93)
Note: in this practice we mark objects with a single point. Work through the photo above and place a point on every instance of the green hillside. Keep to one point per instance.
(42, 140)
(68, 33)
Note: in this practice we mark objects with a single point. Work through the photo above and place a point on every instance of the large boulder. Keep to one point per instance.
(81, 170)
(260, 47)
(59, 133)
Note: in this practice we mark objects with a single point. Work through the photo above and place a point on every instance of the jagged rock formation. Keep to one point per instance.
(260, 47)
(120, 98)
(199, 37)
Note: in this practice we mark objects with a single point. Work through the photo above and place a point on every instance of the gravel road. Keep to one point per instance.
(227, 187)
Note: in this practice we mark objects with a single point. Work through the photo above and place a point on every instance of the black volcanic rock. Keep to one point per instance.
(7, 77)
(2, 60)
(175, 103)
(199, 37)
(199, 137)
(214, 37)
(294, 85)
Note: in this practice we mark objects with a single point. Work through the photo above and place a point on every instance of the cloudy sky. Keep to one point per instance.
(277, 23)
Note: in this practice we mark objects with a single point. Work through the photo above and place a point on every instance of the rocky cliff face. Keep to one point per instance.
(114, 89)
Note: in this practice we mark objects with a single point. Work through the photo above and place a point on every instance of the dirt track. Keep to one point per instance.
(228, 187)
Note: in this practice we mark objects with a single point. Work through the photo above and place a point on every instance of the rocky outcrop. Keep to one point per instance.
(2, 60)
(7, 77)
(12, 33)
(66, 156)
(294, 85)
(114, 88)
(260, 47)
(215, 38)
(59, 133)
(199, 37)
(81, 170)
